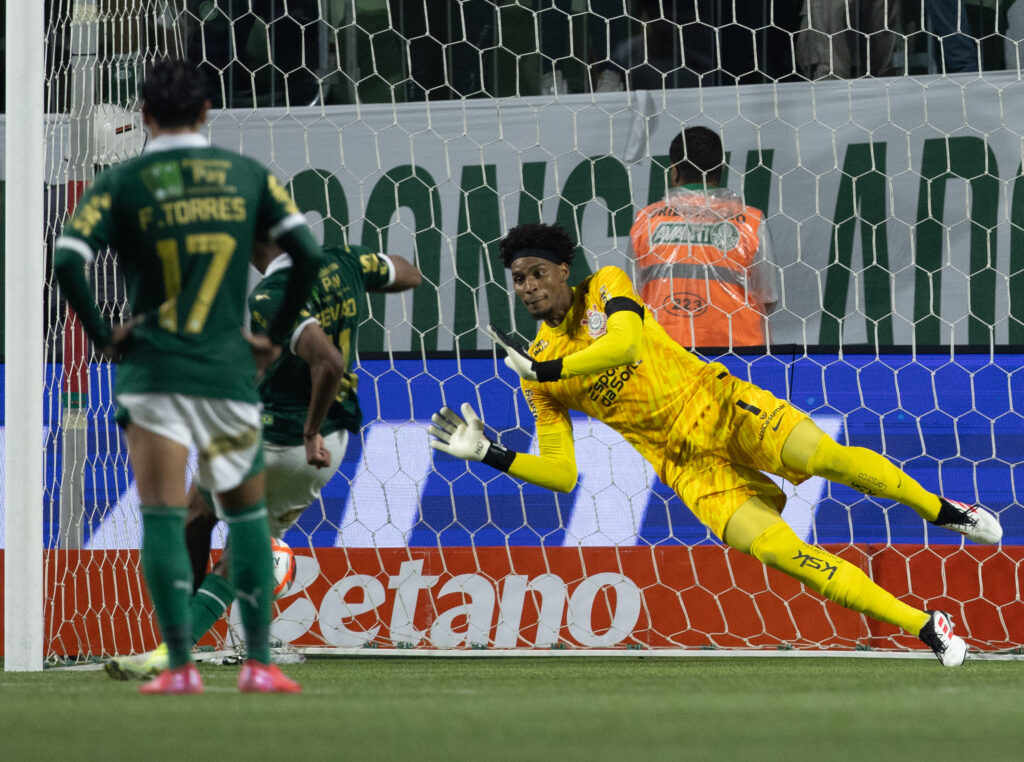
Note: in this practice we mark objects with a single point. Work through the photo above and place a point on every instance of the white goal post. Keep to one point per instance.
(23, 365)
(896, 210)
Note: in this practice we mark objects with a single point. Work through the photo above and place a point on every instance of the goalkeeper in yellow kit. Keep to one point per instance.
(709, 435)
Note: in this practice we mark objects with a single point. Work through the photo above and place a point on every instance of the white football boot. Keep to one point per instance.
(938, 635)
(974, 522)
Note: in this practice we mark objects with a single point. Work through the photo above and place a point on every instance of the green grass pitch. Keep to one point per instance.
(572, 708)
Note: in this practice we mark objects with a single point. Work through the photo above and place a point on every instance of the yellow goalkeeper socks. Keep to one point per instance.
(873, 474)
(835, 579)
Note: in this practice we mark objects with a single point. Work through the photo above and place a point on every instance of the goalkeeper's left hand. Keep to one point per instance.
(525, 366)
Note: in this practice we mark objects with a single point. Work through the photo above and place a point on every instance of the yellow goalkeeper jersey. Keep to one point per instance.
(644, 401)
(707, 434)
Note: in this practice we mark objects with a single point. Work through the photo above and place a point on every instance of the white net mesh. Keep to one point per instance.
(896, 228)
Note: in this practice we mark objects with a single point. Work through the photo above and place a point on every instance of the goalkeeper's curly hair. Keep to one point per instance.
(174, 93)
(537, 235)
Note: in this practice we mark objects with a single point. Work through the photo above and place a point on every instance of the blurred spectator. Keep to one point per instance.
(257, 53)
(830, 33)
(448, 45)
(1013, 43)
(669, 51)
(607, 21)
(947, 20)
(703, 258)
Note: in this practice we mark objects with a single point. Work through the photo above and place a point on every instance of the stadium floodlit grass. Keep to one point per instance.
(572, 708)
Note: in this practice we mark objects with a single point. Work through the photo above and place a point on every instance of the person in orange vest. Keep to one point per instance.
(703, 257)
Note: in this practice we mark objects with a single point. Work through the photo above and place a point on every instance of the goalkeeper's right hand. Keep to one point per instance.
(460, 438)
(463, 437)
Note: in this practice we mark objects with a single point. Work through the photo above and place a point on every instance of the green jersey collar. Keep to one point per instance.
(170, 142)
(280, 262)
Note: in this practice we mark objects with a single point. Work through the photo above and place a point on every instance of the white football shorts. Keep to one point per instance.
(226, 433)
(293, 484)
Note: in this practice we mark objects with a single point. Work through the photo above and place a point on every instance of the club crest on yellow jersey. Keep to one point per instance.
(596, 322)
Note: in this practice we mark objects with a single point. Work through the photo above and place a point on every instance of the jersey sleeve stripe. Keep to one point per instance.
(621, 303)
(298, 332)
(290, 222)
(76, 245)
(391, 269)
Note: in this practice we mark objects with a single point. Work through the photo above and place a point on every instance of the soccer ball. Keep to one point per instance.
(284, 567)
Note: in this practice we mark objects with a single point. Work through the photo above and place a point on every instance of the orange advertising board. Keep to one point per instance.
(535, 598)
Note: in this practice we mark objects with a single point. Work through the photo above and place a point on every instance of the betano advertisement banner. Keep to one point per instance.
(554, 598)
(896, 205)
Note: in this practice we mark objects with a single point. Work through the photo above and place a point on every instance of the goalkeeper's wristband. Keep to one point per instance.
(548, 370)
(499, 457)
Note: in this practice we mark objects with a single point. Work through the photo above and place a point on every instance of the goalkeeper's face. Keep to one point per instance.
(543, 287)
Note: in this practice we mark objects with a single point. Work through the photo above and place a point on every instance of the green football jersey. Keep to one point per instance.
(182, 218)
(338, 303)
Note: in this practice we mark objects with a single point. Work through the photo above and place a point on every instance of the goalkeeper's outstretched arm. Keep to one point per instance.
(620, 345)
(463, 437)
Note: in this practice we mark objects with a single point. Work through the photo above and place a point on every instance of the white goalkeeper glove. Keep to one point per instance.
(524, 366)
(464, 438)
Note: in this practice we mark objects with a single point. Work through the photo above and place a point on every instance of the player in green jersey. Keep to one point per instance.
(310, 406)
(183, 217)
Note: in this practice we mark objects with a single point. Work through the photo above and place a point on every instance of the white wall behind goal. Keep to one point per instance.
(804, 131)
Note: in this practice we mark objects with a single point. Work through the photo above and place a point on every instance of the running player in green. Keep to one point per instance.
(183, 217)
(310, 406)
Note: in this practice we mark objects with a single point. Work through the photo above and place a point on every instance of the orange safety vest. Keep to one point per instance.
(693, 251)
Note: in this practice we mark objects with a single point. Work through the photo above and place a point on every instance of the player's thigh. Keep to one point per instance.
(159, 465)
(293, 484)
(759, 425)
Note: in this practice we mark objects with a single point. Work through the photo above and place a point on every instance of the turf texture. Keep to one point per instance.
(573, 708)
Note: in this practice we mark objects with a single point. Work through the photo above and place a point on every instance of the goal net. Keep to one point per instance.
(896, 211)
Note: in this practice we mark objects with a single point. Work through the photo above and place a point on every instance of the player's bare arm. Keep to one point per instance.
(405, 276)
(326, 370)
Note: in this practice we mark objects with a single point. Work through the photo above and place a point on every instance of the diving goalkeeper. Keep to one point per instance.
(709, 435)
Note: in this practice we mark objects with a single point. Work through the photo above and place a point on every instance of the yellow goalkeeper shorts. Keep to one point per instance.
(733, 431)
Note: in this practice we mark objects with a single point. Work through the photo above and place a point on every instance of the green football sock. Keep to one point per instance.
(252, 572)
(209, 603)
(168, 574)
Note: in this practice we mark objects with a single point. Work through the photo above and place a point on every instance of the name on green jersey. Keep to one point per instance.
(191, 210)
(330, 315)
